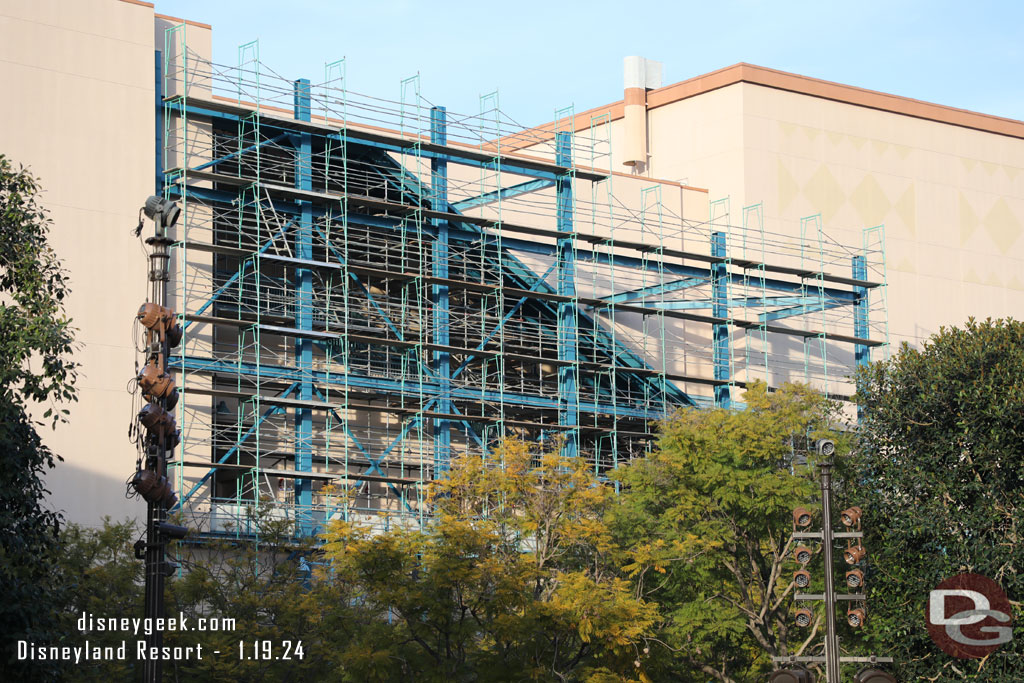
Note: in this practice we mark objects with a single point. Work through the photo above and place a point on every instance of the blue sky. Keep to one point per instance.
(542, 56)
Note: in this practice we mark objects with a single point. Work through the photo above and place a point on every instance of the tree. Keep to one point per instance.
(511, 581)
(100, 576)
(36, 367)
(706, 519)
(265, 586)
(940, 471)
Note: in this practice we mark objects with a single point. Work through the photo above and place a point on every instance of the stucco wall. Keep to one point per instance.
(951, 200)
(79, 111)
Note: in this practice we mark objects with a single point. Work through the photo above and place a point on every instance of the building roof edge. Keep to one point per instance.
(782, 80)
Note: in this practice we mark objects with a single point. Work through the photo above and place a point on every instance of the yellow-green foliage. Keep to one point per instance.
(512, 581)
(705, 522)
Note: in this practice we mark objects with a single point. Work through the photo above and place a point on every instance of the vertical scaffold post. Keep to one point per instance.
(441, 358)
(304, 315)
(568, 400)
(860, 311)
(720, 309)
(862, 353)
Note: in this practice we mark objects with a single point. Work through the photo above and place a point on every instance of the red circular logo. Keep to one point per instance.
(969, 616)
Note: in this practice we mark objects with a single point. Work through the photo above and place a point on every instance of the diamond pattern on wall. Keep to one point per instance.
(788, 187)
(968, 219)
(1002, 225)
(825, 193)
(906, 207)
(870, 201)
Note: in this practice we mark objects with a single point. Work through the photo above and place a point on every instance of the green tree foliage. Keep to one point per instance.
(265, 587)
(706, 522)
(100, 577)
(512, 580)
(531, 569)
(940, 472)
(35, 368)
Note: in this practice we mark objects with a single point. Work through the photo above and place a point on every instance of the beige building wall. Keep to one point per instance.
(950, 196)
(79, 111)
(951, 199)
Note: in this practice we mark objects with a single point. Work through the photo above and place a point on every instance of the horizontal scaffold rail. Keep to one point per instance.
(386, 140)
(512, 292)
(353, 201)
(425, 387)
(296, 474)
(544, 249)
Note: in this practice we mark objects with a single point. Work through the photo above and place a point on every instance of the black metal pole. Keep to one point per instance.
(831, 640)
(156, 461)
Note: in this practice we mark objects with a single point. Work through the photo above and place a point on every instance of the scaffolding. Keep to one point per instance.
(371, 287)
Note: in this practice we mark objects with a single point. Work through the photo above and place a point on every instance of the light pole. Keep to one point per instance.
(157, 385)
(853, 554)
(831, 640)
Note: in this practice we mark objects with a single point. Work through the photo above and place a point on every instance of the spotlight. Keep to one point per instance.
(169, 568)
(154, 315)
(791, 676)
(802, 578)
(165, 213)
(854, 554)
(855, 578)
(172, 530)
(825, 447)
(855, 617)
(801, 517)
(154, 417)
(154, 489)
(174, 335)
(160, 318)
(155, 383)
(850, 516)
(873, 675)
(145, 483)
(802, 554)
(804, 617)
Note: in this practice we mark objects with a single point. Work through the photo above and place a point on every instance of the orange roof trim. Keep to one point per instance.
(804, 85)
(183, 21)
(150, 5)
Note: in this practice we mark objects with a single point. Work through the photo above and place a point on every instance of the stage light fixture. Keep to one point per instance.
(850, 516)
(826, 447)
(163, 211)
(854, 554)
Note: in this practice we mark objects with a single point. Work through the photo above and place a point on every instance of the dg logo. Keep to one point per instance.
(969, 616)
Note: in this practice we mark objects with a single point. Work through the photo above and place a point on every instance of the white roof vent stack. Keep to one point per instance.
(639, 76)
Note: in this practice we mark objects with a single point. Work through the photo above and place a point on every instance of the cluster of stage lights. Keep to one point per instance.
(163, 333)
(800, 675)
(854, 554)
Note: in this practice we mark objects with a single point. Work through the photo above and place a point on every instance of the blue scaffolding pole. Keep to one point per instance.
(860, 311)
(441, 358)
(720, 309)
(568, 389)
(304, 314)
